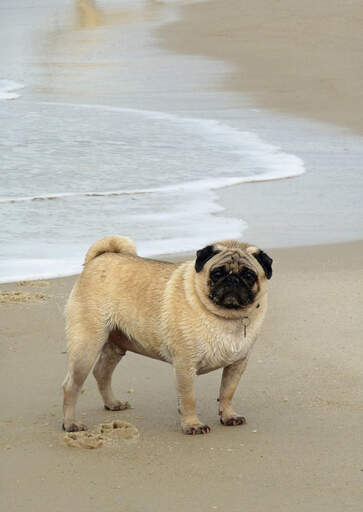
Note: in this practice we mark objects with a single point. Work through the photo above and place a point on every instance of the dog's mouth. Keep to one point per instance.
(232, 299)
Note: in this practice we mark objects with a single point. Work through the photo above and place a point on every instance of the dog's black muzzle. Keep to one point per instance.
(232, 293)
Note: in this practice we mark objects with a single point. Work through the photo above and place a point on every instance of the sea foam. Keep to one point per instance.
(6, 89)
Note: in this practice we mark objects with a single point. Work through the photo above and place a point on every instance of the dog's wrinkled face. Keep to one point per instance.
(234, 274)
(232, 288)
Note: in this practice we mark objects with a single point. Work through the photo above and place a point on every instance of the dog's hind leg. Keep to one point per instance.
(83, 350)
(109, 358)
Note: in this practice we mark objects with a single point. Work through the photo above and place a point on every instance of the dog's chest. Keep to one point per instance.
(222, 347)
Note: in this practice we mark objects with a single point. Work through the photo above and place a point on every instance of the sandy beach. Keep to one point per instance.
(300, 450)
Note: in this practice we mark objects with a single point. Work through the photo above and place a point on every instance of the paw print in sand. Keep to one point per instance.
(107, 433)
(83, 439)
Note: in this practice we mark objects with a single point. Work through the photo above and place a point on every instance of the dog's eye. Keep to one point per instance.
(217, 273)
(248, 275)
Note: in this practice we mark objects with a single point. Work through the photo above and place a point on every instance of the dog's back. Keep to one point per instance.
(112, 289)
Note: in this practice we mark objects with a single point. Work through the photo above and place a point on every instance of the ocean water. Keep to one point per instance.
(102, 132)
(72, 173)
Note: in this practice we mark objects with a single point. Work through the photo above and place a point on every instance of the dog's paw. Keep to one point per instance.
(117, 406)
(74, 427)
(233, 421)
(193, 430)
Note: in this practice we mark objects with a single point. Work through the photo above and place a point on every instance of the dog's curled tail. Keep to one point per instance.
(117, 244)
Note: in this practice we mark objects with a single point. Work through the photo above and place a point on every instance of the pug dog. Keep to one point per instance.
(199, 316)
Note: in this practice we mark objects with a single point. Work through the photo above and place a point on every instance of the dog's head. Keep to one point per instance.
(232, 274)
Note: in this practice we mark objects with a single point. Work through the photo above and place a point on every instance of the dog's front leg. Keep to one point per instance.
(230, 379)
(184, 378)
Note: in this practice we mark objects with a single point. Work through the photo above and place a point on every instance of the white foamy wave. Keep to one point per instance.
(261, 161)
(195, 186)
(38, 268)
(6, 89)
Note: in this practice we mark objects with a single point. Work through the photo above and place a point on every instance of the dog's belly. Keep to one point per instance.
(125, 343)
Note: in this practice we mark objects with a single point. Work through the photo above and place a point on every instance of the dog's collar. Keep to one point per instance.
(246, 321)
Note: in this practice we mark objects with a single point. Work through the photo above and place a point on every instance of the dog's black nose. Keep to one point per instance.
(233, 281)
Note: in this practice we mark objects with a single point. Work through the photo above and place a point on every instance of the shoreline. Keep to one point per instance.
(268, 95)
(178, 257)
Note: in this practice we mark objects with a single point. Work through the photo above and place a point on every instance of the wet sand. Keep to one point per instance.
(300, 450)
(297, 57)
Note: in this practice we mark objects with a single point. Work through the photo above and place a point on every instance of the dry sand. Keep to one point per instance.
(301, 449)
(300, 57)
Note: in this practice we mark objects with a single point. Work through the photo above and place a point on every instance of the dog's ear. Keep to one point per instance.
(265, 261)
(203, 255)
